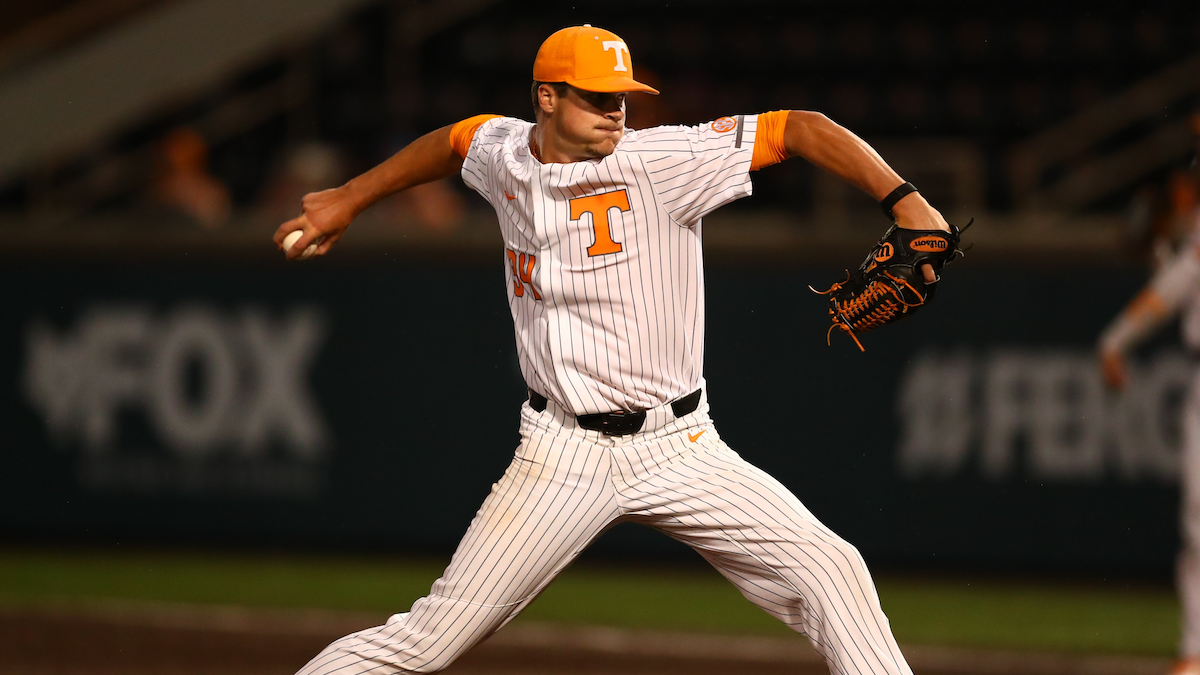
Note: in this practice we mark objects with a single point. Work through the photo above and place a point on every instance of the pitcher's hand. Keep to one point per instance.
(323, 215)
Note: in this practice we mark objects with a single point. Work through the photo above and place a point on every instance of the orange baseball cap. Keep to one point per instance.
(591, 59)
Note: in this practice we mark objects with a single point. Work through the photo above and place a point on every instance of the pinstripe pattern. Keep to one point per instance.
(623, 330)
(620, 331)
(566, 485)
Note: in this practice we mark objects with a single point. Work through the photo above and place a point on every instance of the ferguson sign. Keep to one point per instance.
(1042, 414)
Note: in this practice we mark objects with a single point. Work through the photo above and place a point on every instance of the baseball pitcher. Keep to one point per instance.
(602, 259)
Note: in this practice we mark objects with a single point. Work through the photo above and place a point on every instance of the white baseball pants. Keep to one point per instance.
(566, 485)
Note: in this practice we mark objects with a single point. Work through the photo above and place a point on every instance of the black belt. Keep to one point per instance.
(620, 423)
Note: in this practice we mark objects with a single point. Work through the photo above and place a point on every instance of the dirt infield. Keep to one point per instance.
(135, 639)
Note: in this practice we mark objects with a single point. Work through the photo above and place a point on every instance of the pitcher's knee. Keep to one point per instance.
(837, 551)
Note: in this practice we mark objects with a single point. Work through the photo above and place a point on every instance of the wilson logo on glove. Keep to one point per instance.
(889, 285)
(929, 244)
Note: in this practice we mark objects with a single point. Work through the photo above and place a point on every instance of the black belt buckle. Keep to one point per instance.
(620, 423)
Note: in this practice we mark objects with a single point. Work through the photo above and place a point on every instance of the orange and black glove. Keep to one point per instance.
(889, 286)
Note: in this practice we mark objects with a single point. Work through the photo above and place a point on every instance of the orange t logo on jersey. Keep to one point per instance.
(598, 206)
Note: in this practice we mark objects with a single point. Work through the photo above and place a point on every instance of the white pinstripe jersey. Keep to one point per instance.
(603, 258)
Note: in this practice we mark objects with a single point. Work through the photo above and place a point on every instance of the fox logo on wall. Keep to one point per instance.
(209, 385)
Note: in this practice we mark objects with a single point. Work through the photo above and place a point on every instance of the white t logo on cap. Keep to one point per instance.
(621, 50)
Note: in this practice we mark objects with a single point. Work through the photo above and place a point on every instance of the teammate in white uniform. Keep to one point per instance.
(1173, 290)
(601, 227)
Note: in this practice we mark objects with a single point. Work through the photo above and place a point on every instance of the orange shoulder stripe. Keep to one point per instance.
(768, 140)
(462, 133)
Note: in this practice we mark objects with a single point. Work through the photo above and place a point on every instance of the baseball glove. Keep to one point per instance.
(889, 286)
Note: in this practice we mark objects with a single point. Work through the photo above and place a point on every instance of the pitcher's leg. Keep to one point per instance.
(760, 537)
(551, 502)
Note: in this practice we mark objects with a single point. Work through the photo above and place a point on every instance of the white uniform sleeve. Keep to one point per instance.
(697, 169)
(1160, 300)
(474, 170)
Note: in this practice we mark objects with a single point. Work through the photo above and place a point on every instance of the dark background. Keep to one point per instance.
(419, 384)
(416, 377)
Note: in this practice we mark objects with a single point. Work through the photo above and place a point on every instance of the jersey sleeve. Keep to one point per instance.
(697, 169)
(463, 133)
(769, 146)
(474, 139)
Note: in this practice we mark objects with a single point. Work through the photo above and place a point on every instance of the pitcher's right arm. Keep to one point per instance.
(328, 213)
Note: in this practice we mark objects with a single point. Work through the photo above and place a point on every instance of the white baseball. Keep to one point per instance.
(292, 238)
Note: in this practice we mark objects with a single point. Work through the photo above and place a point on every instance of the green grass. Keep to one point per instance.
(994, 614)
(1026, 616)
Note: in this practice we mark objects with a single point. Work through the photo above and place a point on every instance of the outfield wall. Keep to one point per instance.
(372, 405)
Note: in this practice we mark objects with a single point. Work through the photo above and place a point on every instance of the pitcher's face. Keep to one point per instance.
(591, 121)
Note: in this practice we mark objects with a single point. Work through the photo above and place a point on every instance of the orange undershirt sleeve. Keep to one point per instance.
(462, 133)
(768, 140)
